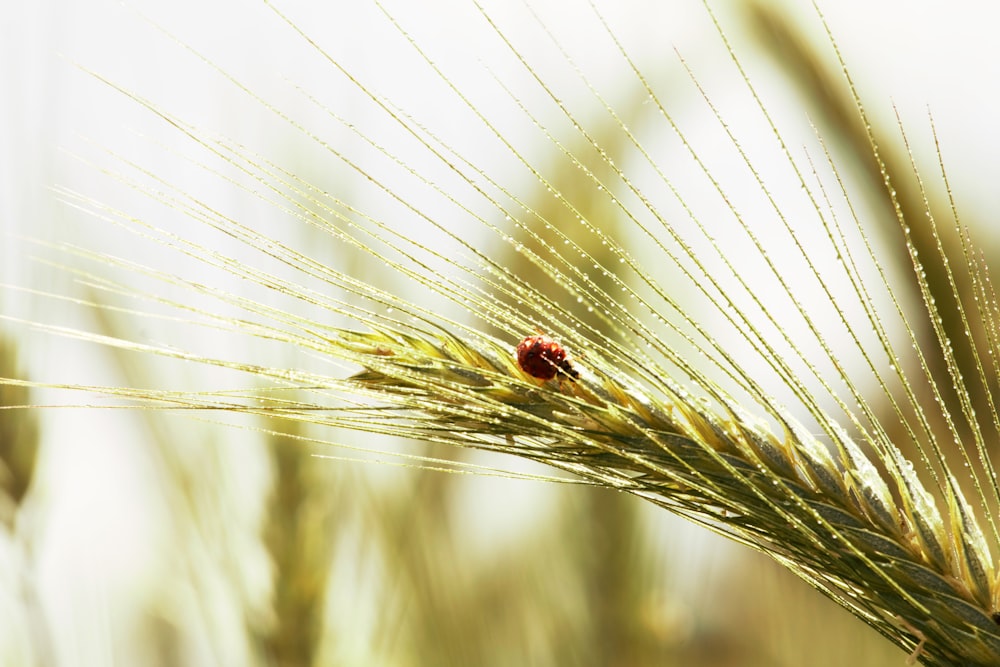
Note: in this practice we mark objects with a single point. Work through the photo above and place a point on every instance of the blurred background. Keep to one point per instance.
(141, 537)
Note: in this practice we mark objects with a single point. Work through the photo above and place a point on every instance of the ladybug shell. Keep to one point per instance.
(543, 358)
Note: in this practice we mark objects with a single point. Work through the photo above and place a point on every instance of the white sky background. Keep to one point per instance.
(916, 54)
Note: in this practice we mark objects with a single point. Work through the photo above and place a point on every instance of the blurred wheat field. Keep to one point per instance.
(227, 521)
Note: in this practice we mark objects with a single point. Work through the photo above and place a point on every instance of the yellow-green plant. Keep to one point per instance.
(870, 476)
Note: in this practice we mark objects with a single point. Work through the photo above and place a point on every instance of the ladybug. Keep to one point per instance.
(543, 358)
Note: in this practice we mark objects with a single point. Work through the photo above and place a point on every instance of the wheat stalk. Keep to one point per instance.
(656, 405)
(19, 449)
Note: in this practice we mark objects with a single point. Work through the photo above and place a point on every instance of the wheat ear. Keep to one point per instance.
(879, 548)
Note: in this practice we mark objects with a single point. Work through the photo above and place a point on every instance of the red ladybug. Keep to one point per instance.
(543, 358)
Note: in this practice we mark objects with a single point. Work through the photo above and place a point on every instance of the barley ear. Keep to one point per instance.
(876, 543)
